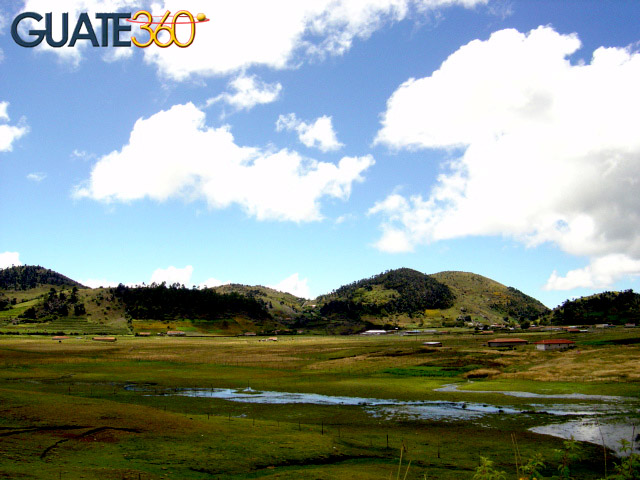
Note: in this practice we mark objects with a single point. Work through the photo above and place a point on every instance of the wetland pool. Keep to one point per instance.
(591, 418)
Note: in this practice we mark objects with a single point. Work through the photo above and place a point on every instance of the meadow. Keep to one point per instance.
(84, 409)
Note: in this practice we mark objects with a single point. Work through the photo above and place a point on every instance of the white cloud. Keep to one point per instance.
(9, 259)
(195, 161)
(551, 151)
(73, 55)
(173, 275)
(1, 55)
(602, 272)
(82, 155)
(10, 133)
(319, 134)
(249, 91)
(278, 33)
(295, 285)
(36, 176)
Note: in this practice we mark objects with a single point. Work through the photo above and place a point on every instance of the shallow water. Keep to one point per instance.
(583, 427)
(600, 431)
(454, 387)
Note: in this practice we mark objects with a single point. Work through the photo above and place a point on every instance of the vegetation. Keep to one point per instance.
(28, 276)
(394, 291)
(615, 308)
(486, 301)
(85, 409)
(176, 301)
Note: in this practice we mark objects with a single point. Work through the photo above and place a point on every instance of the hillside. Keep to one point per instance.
(615, 308)
(30, 276)
(280, 305)
(389, 297)
(481, 299)
(395, 298)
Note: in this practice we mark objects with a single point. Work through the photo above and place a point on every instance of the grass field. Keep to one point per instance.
(65, 411)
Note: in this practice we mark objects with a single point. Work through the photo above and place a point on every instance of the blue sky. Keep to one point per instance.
(304, 145)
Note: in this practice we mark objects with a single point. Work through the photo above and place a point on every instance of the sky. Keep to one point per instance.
(304, 145)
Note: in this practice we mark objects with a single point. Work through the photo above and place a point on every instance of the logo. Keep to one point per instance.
(110, 22)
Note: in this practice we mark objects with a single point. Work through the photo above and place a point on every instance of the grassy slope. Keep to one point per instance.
(104, 314)
(475, 294)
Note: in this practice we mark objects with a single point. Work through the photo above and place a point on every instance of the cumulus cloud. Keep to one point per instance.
(319, 134)
(551, 151)
(295, 285)
(194, 161)
(74, 7)
(602, 272)
(9, 259)
(277, 34)
(10, 133)
(248, 91)
(172, 275)
(36, 176)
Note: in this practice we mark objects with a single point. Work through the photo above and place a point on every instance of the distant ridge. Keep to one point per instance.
(31, 276)
(491, 300)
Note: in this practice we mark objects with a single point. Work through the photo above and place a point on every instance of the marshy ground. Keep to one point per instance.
(82, 409)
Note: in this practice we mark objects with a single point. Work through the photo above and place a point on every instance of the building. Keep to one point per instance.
(432, 344)
(506, 342)
(374, 332)
(554, 344)
(104, 339)
(176, 333)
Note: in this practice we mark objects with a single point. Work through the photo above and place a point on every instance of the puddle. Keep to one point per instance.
(588, 430)
(570, 396)
(583, 426)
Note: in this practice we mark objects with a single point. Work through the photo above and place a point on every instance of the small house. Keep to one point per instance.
(432, 344)
(374, 332)
(104, 339)
(143, 334)
(506, 342)
(554, 344)
(176, 333)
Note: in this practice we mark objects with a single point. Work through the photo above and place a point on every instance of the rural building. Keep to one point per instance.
(506, 342)
(374, 332)
(104, 339)
(176, 333)
(59, 338)
(554, 344)
(143, 334)
(412, 332)
(432, 344)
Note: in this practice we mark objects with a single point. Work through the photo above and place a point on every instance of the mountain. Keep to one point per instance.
(35, 299)
(280, 305)
(607, 307)
(485, 300)
(395, 292)
(29, 276)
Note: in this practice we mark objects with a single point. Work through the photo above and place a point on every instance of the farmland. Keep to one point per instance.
(83, 409)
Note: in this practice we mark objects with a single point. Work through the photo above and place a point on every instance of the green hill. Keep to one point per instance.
(35, 299)
(282, 306)
(615, 308)
(29, 276)
(389, 297)
(484, 300)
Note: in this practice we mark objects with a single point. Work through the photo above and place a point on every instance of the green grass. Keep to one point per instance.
(57, 392)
